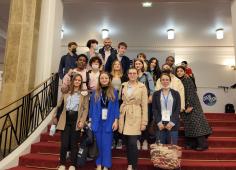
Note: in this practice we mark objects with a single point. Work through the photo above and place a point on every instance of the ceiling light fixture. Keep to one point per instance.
(171, 34)
(105, 33)
(220, 33)
(147, 4)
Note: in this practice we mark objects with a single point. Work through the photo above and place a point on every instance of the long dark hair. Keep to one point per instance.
(156, 71)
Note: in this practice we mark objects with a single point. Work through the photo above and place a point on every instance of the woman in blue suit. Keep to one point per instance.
(104, 115)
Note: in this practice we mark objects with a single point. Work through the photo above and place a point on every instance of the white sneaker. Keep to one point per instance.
(68, 155)
(145, 145)
(119, 144)
(129, 167)
(99, 168)
(71, 168)
(138, 145)
(105, 168)
(62, 167)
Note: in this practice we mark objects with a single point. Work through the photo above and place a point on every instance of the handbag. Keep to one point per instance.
(165, 156)
(93, 149)
(88, 135)
(152, 128)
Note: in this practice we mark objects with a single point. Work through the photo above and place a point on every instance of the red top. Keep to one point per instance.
(189, 71)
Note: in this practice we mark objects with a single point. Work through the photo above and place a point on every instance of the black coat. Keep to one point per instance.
(125, 63)
(102, 52)
(195, 122)
(156, 108)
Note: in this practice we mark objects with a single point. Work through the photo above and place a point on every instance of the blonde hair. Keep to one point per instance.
(113, 71)
(110, 90)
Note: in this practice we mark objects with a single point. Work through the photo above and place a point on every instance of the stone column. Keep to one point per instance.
(21, 49)
(49, 46)
(233, 15)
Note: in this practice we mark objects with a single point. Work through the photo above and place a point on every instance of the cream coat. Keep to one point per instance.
(177, 85)
(82, 111)
(133, 110)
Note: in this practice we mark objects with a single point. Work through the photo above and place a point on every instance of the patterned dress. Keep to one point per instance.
(195, 122)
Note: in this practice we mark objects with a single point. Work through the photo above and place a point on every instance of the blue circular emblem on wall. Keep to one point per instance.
(209, 99)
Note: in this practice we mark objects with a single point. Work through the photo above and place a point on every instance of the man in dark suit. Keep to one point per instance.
(125, 62)
(107, 50)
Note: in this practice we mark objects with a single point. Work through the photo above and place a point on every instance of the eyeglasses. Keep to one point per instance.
(132, 73)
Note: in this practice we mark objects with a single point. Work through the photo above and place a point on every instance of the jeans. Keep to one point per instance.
(168, 137)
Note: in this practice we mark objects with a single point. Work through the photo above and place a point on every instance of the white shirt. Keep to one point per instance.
(107, 54)
(72, 102)
(119, 57)
(130, 90)
(93, 79)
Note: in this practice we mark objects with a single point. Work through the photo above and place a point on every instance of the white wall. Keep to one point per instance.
(211, 67)
(222, 98)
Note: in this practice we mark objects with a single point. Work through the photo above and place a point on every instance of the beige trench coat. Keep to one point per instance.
(82, 111)
(133, 110)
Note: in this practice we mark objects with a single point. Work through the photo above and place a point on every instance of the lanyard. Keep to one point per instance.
(166, 99)
(104, 101)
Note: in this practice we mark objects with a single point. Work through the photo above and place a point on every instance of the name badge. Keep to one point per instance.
(104, 114)
(166, 115)
(81, 151)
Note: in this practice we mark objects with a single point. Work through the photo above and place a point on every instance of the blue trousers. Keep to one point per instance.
(104, 143)
(168, 137)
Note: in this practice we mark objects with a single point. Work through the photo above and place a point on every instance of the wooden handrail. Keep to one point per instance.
(27, 93)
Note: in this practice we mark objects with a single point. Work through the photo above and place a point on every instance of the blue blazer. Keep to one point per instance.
(95, 112)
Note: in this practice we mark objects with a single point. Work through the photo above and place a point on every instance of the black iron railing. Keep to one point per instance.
(19, 119)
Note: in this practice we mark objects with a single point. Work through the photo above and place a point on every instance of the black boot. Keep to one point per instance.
(202, 143)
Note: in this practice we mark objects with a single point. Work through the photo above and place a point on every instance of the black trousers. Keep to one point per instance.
(117, 136)
(200, 141)
(145, 135)
(69, 139)
(132, 150)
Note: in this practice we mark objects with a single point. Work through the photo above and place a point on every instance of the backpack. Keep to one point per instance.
(82, 154)
(229, 108)
(87, 79)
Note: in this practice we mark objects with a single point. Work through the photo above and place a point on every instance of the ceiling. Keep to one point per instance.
(194, 21)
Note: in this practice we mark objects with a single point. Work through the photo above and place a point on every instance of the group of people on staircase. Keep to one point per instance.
(120, 98)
